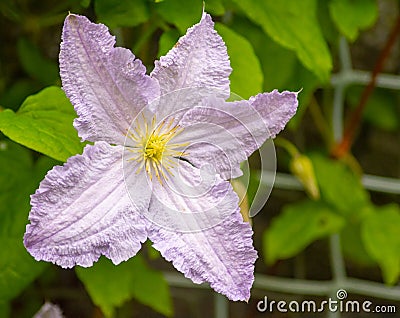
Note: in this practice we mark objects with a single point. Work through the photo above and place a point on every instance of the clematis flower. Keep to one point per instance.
(163, 148)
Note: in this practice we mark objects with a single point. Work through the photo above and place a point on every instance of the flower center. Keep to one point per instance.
(153, 149)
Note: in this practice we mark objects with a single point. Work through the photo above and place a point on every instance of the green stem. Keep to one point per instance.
(287, 145)
(320, 122)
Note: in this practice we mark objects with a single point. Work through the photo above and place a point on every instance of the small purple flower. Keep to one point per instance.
(49, 310)
(163, 148)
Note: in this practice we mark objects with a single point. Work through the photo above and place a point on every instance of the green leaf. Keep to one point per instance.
(17, 268)
(281, 69)
(5, 309)
(350, 16)
(339, 186)
(167, 41)
(16, 184)
(110, 286)
(13, 157)
(380, 234)
(40, 68)
(214, 7)
(247, 77)
(277, 62)
(152, 253)
(16, 94)
(17, 181)
(293, 24)
(308, 84)
(85, 3)
(43, 164)
(11, 10)
(44, 123)
(182, 13)
(353, 246)
(296, 227)
(116, 13)
(328, 28)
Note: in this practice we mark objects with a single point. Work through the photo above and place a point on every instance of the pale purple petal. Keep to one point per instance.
(275, 108)
(199, 59)
(82, 210)
(204, 248)
(224, 134)
(106, 85)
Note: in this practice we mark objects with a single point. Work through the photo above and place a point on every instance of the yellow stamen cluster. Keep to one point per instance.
(153, 149)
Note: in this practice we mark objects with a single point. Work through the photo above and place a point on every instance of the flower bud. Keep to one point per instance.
(301, 166)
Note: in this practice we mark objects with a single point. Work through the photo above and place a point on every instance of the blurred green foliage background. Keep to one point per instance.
(287, 45)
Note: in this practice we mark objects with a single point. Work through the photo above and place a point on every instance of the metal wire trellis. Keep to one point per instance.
(340, 81)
